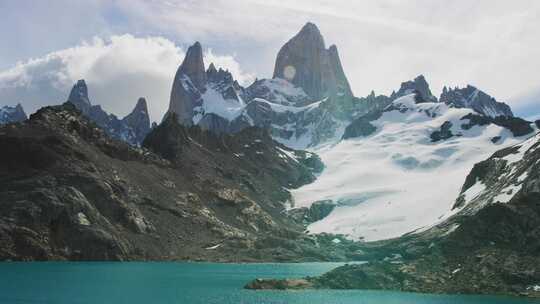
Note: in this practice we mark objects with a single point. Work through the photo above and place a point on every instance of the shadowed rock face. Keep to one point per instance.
(419, 87)
(189, 83)
(473, 98)
(305, 103)
(193, 88)
(305, 61)
(138, 120)
(193, 66)
(12, 114)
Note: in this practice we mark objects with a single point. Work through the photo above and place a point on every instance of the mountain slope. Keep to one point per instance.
(489, 246)
(69, 191)
(400, 169)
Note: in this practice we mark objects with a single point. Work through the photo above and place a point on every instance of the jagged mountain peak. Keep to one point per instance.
(419, 86)
(310, 26)
(310, 32)
(193, 66)
(211, 69)
(141, 105)
(79, 96)
(305, 61)
(19, 107)
(189, 84)
(473, 98)
(168, 138)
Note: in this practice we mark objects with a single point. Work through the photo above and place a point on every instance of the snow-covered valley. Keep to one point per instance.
(397, 180)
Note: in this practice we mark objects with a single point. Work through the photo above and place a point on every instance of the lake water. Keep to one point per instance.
(186, 283)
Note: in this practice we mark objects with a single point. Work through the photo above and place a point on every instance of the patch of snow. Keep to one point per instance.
(288, 154)
(213, 247)
(82, 219)
(336, 241)
(279, 108)
(213, 102)
(283, 90)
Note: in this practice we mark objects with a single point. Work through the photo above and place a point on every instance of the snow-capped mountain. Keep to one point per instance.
(131, 129)
(473, 98)
(12, 114)
(401, 169)
(308, 102)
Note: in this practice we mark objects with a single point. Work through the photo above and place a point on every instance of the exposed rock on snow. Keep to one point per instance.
(473, 98)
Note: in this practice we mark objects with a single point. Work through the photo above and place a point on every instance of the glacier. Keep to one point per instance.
(396, 180)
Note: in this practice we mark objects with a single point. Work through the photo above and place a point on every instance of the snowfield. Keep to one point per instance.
(396, 180)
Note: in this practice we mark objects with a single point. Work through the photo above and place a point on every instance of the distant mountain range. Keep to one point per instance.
(307, 103)
(131, 129)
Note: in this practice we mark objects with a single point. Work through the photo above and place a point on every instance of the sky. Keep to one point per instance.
(125, 49)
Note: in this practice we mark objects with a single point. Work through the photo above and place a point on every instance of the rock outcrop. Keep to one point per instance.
(306, 63)
(12, 114)
(131, 129)
(473, 98)
(419, 87)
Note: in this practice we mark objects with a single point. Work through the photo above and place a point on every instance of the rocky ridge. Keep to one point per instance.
(473, 98)
(131, 129)
(72, 192)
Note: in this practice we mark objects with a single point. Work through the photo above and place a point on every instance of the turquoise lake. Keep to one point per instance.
(186, 283)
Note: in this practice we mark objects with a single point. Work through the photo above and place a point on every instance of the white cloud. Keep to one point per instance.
(117, 70)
